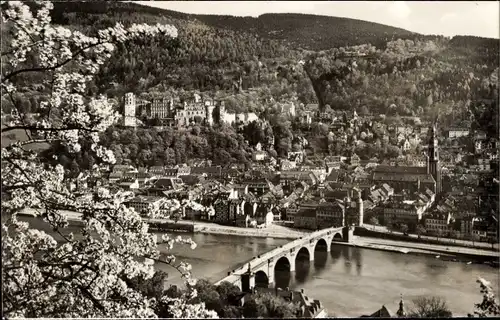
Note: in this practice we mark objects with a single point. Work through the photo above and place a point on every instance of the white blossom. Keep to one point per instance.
(80, 275)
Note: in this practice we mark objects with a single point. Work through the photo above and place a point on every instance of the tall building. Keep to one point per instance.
(129, 119)
(433, 166)
(353, 204)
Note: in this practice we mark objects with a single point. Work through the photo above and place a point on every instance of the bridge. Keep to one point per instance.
(284, 257)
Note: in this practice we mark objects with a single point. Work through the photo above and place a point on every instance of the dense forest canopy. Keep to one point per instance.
(343, 63)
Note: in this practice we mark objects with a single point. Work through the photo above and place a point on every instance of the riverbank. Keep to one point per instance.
(404, 247)
(273, 231)
(166, 225)
(282, 232)
(439, 251)
(382, 233)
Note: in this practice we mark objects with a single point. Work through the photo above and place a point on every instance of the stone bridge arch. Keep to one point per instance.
(261, 279)
(337, 237)
(302, 251)
(322, 243)
(264, 267)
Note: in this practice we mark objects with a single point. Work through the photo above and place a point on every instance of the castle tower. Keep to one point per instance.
(129, 119)
(433, 166)
(209, 109)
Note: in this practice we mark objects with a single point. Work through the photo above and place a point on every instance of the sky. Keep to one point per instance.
(450, 18)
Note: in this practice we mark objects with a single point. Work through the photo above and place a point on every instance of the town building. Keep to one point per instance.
(258, 186)
(305, 218)
(438, 223)
(259, 155)
(405, 212)
(414, 178)
(466, 226)
(287, 108)
(330, 214)
(145, 205)
(458, 132)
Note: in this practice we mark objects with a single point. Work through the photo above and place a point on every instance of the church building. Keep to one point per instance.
(414, 178)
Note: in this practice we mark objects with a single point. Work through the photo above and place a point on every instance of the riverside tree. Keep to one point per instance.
(489, 306)
(85, 274)
(430, 307)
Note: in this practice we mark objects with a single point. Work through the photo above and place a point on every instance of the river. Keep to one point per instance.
(349, 281)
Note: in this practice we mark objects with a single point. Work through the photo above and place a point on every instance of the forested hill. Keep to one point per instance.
(310, 32)
(250, 65)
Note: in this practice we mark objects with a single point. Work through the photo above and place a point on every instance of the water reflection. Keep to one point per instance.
(302, 269)
(283, 279)
(436, 267)
(346, 254)
(320, 259)
(357, 257)
(335, 253)
(282, 273)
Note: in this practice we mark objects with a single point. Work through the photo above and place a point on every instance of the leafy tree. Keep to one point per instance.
(420, 230)
(430, 307)
(152, 287)
(231, 312)
(276, 306)
(439, 233)
(228, 291)
(85, 275)
(374, 221)
(489, 307)
(207, 293)
(404, 228)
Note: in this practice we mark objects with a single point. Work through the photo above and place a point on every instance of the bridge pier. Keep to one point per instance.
(347, 234)
(311, 255)
(270, 273)
(292, 263)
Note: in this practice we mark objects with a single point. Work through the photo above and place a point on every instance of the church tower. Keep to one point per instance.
(433, 166)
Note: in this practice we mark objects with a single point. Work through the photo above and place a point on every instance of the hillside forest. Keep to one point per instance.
(254, 63)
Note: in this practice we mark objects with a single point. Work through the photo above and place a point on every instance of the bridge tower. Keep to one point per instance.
(248, 280)
(347, 233)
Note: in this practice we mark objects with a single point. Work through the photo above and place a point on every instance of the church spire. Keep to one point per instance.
(433, 166)
(401, 311)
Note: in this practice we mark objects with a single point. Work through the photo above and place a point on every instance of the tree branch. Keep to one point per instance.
(45, 69)
(31, 128)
